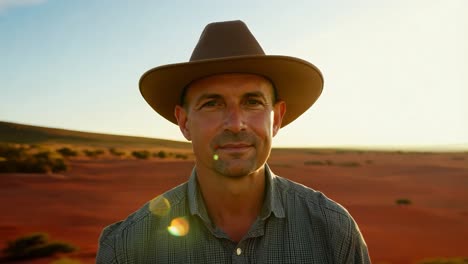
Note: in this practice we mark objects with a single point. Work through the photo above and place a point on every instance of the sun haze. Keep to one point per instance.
(395, 71)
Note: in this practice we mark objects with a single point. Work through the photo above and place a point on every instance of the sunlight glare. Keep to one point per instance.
(179, 227)
(160, 206)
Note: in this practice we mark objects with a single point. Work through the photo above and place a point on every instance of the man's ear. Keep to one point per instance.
(182, 120)
(279, 110)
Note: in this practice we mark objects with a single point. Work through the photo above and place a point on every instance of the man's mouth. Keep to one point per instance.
(233, 147)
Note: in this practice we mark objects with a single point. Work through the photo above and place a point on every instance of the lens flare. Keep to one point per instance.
(215, 157)
(179, 227)
(159, 206)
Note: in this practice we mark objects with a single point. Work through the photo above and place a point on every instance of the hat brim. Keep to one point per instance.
(297, 82)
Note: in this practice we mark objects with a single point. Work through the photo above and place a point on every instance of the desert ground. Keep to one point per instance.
(432, 222)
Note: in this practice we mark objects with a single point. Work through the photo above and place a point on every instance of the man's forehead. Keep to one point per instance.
(230, 82)
(231, 78)
(235, 83)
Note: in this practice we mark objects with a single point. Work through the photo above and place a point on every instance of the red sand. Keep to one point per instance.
(75, 206)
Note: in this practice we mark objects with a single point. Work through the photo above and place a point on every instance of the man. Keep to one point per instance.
(230, 100)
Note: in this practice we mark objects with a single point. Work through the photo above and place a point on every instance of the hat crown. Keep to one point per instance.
(226, 39)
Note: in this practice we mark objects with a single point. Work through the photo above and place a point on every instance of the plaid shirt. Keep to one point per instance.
(296, 225)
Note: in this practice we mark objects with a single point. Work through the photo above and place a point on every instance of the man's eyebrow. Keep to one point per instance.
(206, 96)
(256, 94)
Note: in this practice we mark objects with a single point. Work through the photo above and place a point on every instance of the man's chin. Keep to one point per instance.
(236, 169)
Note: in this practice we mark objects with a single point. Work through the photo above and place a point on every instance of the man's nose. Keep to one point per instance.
(234, 119)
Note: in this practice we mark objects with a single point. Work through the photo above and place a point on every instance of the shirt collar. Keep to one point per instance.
(272, 202)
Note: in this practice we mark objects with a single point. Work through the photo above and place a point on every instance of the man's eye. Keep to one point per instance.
(254, 102)
(212, 103)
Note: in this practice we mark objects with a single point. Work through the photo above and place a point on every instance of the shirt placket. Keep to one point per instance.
(244, 252)
(238, 255)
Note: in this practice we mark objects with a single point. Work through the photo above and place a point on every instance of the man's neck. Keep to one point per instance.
(233, 203)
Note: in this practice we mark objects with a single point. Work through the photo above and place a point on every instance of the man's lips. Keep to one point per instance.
(233, 146)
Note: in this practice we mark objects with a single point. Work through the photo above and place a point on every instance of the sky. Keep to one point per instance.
(396, 72)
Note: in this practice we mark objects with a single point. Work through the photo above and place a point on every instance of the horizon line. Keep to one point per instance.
(449, 147)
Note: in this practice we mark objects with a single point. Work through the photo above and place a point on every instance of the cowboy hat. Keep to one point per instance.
(229, 47)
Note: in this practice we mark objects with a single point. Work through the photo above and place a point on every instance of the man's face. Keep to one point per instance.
(231, 120)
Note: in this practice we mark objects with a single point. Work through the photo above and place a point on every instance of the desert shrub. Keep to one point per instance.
(67, 152)
(46, 161)
(89, 153)
(59, 165)
(20, 159)
(348, 164)
(8, 156)
(141, 154)
(282, 165)
(115, 152)
(8, 151)
(314, 162)
(161, 154)
(403, 201)
(331, 163)
(35, 246)
(66, 260)
(445, 261)
(181, 156)
(93, 153)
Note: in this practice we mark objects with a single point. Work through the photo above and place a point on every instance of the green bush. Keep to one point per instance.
(161, 154)
(403, 201)
(141, 154)
(115, 152)
(181, 156)
(8, 151)
(21, 159)
(66, 260)
(314, 162)
(34, 246)
(348, 164)
(93, 153)
(67, 152)
(331, 163)
(48, 162)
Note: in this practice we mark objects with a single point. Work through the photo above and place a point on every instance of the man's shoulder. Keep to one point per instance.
(328, 220)
(158, 206)
(314, 199)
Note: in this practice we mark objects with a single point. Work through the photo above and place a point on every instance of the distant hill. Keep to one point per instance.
(26, 134)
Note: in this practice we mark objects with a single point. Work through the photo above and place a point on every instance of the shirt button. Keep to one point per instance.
(238, 251)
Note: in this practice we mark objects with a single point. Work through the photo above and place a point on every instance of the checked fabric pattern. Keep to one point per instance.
(296, 225)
